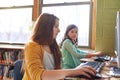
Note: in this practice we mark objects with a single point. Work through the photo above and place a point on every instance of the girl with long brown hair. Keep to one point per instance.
(42, 55)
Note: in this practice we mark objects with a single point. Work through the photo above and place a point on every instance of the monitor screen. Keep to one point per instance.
(117, 38)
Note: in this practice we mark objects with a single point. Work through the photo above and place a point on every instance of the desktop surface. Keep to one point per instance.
(105, 71)
(115, 71)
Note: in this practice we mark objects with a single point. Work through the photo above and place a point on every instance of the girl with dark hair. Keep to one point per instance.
(71, 55)
(42, 58)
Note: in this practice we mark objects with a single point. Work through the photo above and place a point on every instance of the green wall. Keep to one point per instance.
(105, 25)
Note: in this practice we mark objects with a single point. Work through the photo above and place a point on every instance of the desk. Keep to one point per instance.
(105, 72)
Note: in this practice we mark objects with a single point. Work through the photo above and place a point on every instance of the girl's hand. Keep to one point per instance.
(85, 71)
(99, 53)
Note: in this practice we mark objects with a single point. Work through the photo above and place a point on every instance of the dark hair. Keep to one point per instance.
(43, 35)
(69, 27)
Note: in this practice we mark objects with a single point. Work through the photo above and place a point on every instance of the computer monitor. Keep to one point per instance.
(117, 38)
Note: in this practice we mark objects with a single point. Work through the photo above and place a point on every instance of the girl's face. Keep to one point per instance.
(56, 29)
(73, 33)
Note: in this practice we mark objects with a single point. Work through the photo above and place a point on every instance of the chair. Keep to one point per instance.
(18, 73)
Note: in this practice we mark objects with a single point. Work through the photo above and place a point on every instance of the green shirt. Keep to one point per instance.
(71, 55)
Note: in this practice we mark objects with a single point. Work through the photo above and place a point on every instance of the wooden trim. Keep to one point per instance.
(35, 10)
(93, 25)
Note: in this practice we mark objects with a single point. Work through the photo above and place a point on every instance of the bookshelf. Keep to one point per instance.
(9, 53)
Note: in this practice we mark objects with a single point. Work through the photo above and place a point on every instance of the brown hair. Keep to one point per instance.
(69, 27)
(43, 35)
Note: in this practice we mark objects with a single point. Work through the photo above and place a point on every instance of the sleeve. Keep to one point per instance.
(73, 50)
(34, 61)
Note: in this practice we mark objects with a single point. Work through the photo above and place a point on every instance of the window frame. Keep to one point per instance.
(74, 3)
(17, 7)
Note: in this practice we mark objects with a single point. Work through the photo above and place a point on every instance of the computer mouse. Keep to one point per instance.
(97, 76)
(83, 76)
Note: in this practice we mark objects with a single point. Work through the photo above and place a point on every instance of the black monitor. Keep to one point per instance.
(117, 38)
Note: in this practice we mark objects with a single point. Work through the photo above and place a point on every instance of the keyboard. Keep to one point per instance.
(102, 58)
(96, 65)
(115, 71)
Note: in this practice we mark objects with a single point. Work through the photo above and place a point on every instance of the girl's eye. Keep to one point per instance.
(56, 26)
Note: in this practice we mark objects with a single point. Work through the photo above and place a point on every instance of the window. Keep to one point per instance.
(62, 1)
(76, 12)
(15, 20)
